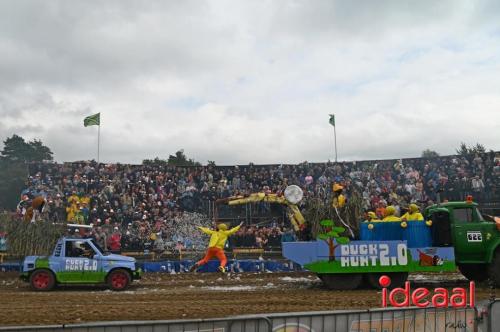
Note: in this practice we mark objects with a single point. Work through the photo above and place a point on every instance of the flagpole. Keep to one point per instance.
(335, 140)
(332, 122)
(98, 140)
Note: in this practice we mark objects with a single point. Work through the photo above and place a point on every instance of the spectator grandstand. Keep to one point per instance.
(146, 206)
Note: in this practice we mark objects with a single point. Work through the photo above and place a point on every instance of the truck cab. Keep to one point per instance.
(79, 261)
(474, 239)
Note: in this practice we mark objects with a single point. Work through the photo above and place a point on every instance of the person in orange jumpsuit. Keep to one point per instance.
(218, 239)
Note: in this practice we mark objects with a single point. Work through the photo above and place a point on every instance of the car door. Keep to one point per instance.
(71, 265)
(469, 235)
(92, 271)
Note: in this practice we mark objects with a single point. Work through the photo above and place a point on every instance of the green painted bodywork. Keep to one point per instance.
(78, 277)
(491, 253)
(42, 263)
(450, 205)
(466, 251)
(324, 267)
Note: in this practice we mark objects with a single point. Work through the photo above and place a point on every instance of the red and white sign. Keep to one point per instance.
(423, 297)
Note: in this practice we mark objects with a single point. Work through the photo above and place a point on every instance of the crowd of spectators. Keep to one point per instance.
(148, 204)
(266, 237)
(3, 242)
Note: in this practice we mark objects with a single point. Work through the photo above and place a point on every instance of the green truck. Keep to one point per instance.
(453, 235)
(475, 239)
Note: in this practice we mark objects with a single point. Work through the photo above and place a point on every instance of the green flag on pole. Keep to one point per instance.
(93, 120)
(332, 119)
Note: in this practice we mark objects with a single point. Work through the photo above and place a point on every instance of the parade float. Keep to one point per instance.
(453, 235)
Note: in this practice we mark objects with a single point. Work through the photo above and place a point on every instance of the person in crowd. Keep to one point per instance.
(261, 239)
(288, 235)
(115, 241)
(381, 210)
(3, 242)
(274, 238)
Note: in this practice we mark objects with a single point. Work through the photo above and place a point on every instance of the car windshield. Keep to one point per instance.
(99, 248)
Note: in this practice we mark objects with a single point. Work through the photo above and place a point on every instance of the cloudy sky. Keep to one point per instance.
(250, 81)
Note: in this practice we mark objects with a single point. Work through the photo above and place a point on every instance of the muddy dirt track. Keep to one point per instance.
(181, 296)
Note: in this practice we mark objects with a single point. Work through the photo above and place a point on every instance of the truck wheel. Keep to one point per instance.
(494, 269)
(476, 272)
(42, 280)
(342, 281)
(398, 279)
(118, 279)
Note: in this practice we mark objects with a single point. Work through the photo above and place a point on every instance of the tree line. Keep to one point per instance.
(463, 150)
(15, 157)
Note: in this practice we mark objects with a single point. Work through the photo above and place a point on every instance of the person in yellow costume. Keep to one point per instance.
(390, 214)
(218, 239)
(73, 199)
(338, 200)
(413, 213)
(371, 216)
(72, 208)
(85, 200)
(70, 214)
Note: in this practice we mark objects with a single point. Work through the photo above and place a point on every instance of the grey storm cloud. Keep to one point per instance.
(248, 81)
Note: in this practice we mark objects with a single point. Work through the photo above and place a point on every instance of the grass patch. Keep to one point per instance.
(335, 266)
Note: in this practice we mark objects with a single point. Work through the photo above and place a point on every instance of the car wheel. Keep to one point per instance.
(42, 280)
(118, 280)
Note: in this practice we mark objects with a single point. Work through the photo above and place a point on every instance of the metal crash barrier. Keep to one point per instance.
(373, 320)
(493, 316)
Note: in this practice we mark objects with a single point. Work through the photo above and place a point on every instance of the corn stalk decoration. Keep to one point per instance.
(316, 209)
(24, 239)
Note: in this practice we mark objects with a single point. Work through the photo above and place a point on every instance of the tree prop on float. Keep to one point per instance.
(332, 237)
